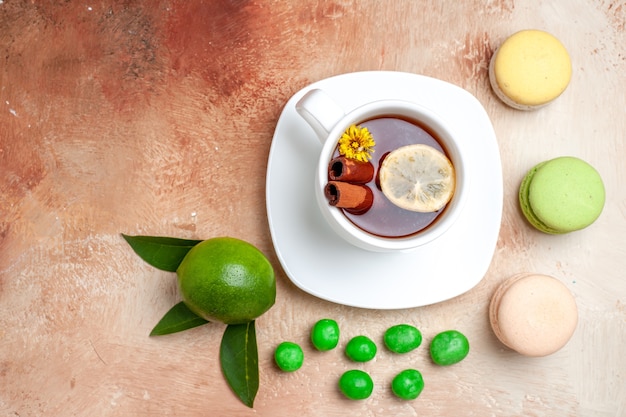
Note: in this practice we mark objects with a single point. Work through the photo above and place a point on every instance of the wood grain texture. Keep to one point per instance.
(156, 117)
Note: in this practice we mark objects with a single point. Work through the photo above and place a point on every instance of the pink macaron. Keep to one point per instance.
(533, 314)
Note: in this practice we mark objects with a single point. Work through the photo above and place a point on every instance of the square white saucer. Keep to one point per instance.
(321, 263)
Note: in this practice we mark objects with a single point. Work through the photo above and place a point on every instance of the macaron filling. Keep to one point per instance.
(526, 207)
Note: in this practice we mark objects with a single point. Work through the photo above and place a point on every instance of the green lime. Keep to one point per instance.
(227, 280)
(449, 347)
(356, 384)
(402, 338)
(408, 384)
(361, 349)
(325, 334)
(289, 356)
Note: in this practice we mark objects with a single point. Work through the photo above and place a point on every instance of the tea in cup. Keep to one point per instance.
(361, 182)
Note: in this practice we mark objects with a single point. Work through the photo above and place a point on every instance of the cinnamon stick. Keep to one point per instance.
(353, 198)
(350, 170)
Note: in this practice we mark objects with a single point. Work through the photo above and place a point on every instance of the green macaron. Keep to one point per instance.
(562, 195)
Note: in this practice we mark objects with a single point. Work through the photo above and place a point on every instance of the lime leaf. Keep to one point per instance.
(164, 253)
(177, 319)
(239, 358)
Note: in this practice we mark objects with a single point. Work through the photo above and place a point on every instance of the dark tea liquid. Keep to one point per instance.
(384, 218)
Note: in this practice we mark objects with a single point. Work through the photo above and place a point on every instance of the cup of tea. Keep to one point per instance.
(392, 175)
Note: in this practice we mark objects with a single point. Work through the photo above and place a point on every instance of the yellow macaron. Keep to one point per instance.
(530, 69)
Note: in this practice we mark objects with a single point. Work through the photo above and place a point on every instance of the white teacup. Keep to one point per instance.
(329, 121)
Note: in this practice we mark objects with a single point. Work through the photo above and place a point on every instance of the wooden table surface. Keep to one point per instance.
(156, 117)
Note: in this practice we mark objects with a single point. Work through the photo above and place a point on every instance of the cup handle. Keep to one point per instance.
(320, 111)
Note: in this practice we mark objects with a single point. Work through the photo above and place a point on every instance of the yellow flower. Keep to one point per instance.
(357, 143)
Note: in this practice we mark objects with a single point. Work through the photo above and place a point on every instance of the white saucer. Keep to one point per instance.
(321, 263)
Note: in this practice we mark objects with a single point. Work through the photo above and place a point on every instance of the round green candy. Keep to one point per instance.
(402, 338)
(289, 356)
(356, 384)
(449, 347)
(408, 384)
(325, 334)
(361, 349)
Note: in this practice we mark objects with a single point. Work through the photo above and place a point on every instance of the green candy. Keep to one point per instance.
(289, 356)
(356, 384)
(408, 384)
(449, 347)
(402, 338)
(361, 349)
(325, 334)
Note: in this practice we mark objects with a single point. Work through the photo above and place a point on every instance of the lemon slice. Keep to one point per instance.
(417, 178)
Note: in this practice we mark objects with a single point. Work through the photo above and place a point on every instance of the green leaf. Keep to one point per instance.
(164, 253)
(177, 319)
(239, 358)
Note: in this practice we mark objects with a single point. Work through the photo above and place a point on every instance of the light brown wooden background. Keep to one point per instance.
(156, 117)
